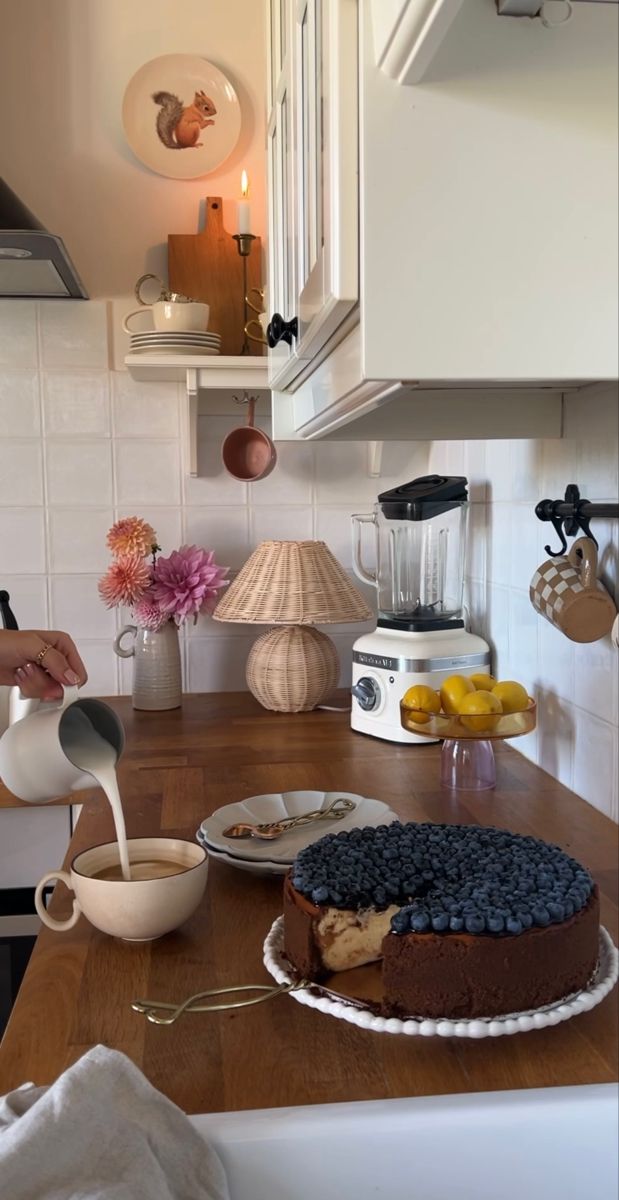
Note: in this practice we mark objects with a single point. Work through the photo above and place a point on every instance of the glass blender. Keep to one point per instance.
(421, 636)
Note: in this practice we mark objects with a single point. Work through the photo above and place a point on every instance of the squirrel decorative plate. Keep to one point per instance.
(181, 116)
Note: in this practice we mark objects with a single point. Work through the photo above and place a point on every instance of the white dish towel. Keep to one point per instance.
(102, 1132)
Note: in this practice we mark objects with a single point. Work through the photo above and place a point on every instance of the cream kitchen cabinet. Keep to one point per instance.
(462, 275)
(312, 169)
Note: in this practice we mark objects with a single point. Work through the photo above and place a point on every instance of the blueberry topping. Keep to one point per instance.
(445, 878)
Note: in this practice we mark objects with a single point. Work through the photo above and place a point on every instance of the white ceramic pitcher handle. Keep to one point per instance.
(118, 648)
(21, 706)
(39, 904)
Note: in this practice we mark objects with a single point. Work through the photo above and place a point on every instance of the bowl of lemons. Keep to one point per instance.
(464, 710)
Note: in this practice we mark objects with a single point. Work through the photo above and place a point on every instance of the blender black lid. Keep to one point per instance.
(423, 498)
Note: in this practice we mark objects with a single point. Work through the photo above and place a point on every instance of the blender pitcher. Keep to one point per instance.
(420, 536)
(421, 635)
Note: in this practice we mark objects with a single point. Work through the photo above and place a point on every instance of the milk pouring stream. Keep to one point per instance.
(51, 749)
(89, 751)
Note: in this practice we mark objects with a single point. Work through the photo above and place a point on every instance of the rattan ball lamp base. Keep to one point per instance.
(292, 668)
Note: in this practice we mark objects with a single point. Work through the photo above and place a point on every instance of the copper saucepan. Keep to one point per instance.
(247, 452)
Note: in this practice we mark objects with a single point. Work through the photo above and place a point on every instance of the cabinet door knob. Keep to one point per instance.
(279, 330)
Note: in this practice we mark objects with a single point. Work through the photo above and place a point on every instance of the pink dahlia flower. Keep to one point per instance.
(148, 613)
(187, 582)
(125, 581)
(131, 535)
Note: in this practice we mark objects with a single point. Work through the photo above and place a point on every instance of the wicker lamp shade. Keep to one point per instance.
(294, 585)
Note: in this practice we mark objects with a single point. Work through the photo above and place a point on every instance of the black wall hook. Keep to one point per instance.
(572, 516)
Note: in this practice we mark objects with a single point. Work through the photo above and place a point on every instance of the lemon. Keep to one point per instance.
(421, 701)
(452, 691)
(483, 683)
(512, 695)
(480, 711)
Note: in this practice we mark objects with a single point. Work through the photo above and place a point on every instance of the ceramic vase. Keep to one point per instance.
(157, 678)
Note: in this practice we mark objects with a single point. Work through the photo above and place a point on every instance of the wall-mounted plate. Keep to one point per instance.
(181, 116)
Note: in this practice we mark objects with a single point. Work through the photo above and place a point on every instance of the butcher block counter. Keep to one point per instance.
(180, 766)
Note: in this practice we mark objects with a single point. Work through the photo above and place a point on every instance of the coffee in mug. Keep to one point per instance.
(566, 591)
(154, 868)
(168, 877)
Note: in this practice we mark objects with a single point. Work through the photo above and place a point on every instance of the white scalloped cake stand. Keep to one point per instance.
(480, 1027)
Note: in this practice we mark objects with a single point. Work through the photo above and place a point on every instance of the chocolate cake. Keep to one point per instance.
(468, 921)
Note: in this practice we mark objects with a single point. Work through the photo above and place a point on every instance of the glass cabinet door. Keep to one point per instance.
(280, 138)
(313, 174)
(326, 69)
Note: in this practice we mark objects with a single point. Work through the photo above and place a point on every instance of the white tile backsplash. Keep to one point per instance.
(76, 403)
(77, 607)
(291, 480)
(21, 478)
(19, 404)
(282, 524)
(79, 473)
(112, 447)
(334, 526)
(77, 544)
(144, 410)
(595, 763)
(28, 595)
(217, 664)
(148, 472)
(223, 530)
(18, 333)
(74, 333)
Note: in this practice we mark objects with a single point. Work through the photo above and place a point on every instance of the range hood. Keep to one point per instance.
(33, 262)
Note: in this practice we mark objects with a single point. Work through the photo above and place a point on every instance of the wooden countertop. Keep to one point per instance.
(180, 766)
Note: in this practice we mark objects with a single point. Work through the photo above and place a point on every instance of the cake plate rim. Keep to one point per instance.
(326, 1001)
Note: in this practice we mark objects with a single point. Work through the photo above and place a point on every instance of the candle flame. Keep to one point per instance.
(244, 184)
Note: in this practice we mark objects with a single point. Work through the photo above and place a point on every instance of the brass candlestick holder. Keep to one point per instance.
(243, 245)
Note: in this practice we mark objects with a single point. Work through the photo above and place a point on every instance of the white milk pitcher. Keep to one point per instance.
(46, 751)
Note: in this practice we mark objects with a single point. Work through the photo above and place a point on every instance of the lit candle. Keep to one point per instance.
(243, 206)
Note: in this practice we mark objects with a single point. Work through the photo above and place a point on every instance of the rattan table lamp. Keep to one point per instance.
(292, 586)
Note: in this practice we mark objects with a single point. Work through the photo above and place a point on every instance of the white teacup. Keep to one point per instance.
(136, 910)
(172, 316)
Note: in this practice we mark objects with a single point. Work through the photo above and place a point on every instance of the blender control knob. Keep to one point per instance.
(367, 693)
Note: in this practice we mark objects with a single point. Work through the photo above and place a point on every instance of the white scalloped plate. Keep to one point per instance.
(273, 806)
(242, 864)
(327, 1001)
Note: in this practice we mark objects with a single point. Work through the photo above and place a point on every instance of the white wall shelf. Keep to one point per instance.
(199, 373)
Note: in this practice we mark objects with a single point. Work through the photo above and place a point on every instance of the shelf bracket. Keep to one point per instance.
(190, 432)
(375, 456)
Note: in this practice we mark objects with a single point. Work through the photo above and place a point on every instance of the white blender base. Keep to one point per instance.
(393, 661)
(363, 723)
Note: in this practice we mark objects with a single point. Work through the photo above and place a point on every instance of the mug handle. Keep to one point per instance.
(583, 555)
(118, 649)
(254, 336)
(137, 312)
(51, 922)
(138, 287)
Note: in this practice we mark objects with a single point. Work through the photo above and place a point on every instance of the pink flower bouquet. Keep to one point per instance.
(162, 589)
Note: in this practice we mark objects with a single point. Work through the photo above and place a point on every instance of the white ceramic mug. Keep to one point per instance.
(172, 316)
(136, 910)
(34, 764)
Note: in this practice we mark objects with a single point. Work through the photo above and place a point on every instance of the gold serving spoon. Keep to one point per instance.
(153, 1010)
(268, 830)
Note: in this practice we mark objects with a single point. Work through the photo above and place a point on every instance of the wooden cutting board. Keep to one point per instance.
(207, 266)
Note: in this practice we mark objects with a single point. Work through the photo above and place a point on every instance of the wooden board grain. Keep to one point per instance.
(207, 266)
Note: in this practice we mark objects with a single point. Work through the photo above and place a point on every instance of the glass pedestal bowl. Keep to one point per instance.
(467, 757)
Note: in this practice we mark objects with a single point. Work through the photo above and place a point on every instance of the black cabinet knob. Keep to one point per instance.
(279, 330)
